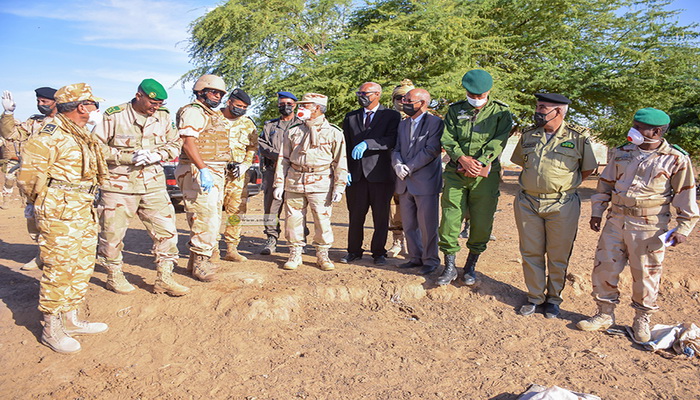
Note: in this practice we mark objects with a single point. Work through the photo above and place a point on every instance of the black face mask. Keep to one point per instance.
(363, 100)
(237, 111)
(410, 109)
(541, 118)
(46, 110)
(286, 109)
(210, 103)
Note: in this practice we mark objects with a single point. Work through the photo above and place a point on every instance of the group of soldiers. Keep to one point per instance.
(388, 160)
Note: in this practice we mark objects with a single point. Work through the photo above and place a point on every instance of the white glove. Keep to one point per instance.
(278, 193)
(401, 170)
(337, 196)
(8, 103)
(145, 157)
(242, 169)
(29, 211)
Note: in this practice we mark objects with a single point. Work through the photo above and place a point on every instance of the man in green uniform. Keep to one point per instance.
(476, 132)
(556, 157)
(136, 137)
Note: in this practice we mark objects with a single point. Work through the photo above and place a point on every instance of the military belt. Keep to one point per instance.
(640, 211)
(72, 187)
(632, 202)
(300, 168)
(556, 195)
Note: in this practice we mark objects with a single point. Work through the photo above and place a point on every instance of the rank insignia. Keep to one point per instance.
(568, 145)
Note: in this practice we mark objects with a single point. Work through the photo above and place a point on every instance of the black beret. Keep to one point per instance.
(45, 92)
(552, 98)
(240, 95)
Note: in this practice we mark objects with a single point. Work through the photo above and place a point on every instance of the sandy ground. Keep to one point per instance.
(359, 332)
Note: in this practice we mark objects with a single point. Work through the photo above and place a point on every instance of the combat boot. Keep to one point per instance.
(116, 281)
(604, 319)
(74, 326)
(202, 267)
(270, 246)
(35, 263)
(232, 253)
(165, 283)
(323, 261)
(396, 245)
(294, 260)
(55, 337)
(469, 277)
(449, 274)
(640, 326)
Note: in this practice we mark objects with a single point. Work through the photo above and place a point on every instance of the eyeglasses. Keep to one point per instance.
(214, 92)
(94, 103)
(398, 97)
(409, 101)
(364, 93)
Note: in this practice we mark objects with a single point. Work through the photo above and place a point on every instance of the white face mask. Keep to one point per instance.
(477, 102)
(95, 117)
(303, 114)
(637, 138)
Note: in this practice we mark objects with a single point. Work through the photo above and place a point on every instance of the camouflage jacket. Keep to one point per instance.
(124, 131)
(312, 159)
(634, 180)
(243, 139)
(16, 132)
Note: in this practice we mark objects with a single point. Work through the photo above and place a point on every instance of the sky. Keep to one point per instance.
(113, 45)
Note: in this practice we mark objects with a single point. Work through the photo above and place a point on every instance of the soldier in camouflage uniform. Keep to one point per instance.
(206, 150)
(476, 130)
(243, 140)
(136, 137)
(311, 171)
(642, 181)
(16, 133)
(61, 170)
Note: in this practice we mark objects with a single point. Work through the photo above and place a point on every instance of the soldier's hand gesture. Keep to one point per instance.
(595, 223)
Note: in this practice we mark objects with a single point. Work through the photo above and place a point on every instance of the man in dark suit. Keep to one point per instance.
(370, 135)
(416, 161)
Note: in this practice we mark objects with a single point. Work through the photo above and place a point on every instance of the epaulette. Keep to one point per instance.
(164, 109)
(622, 145)
(294, 126)
(457, 102)
(37, 117)
(677, 147)
(270, 121)
(49, 129)
(501, 103)
(579, 129)
(251, 119)
(113, 110)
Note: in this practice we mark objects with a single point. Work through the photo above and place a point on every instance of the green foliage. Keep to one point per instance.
(685, 126)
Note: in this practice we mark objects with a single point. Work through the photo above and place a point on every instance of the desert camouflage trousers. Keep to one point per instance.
(10, 177)
(235, 205)
(203, 208)
(67, 241)
(616, 247)
(395, 224)
(295, 210)
(116, 210)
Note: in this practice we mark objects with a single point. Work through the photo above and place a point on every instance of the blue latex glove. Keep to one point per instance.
(349, 179)
(359, 150)
(206, 179)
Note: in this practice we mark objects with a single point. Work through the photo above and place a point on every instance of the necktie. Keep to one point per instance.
(368, 119)
(414, 124)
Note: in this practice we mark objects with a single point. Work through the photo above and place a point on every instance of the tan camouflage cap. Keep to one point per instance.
(75, 92)
(316, 98)
(405, 87)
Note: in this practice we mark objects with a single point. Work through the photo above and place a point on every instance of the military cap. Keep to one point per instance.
(240, 95)
(477, 81)
(75, 92)
(555, 98)
(153, 89)
(45, 92)
(652, 116)
(315, 98)
(404, 87)
(288, 95)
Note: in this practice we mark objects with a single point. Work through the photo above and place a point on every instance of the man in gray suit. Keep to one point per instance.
(416, 161)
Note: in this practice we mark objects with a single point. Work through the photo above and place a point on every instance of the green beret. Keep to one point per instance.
(477, 81)
(652, 116)
(153, 89)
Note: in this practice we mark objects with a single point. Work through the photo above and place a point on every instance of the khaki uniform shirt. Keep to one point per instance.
(553, 166)
(312, 159)
(243, 139)
(16, 132)
(124, 131)
(52, 154)
(635, 180)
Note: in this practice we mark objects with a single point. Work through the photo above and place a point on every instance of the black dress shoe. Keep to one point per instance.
(527, 309)
(427, 269)
(380, 260)
(410, 264)
(551, 310)
(350, 257)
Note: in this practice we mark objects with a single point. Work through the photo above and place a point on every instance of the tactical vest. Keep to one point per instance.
(213, 144)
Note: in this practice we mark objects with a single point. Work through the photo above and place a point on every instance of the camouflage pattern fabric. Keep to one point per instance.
(14, 130)
(395, 224)
(243, 139)
(320, 206)
(10, 177)
(235, 205)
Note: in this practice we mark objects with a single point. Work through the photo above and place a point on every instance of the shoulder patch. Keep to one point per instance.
(568, 144)
(501, 103)
(49, 129)
(677, 147)
(113, 110)
(164, 109)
